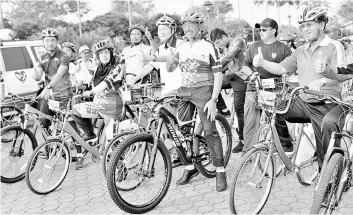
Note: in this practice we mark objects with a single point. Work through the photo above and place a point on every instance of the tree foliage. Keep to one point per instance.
(345, 12)
(43, 12)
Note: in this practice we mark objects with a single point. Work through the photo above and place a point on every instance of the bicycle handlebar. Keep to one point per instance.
(13, 96)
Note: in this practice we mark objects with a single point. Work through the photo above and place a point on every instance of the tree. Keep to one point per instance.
(345, 12)
(139, 8)
(42, 12)
(26, 29)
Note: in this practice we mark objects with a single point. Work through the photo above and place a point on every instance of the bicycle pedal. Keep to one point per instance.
(92, 140)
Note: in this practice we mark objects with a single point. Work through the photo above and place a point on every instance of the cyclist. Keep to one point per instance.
(85, 68)
(273, 51)
(166, 32)
(55, 65)
(132, 62)
(107, 101)
(233, 56)
(70, 49)
(199, 62)
(319, 48)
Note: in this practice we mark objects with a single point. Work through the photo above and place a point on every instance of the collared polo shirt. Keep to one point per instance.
(303, 60)
(50, 65)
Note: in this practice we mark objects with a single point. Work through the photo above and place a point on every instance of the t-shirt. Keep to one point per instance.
(173, 79)
(275, 52)
(198, 62)
(133, 59)
(50, 65)
(302, 61)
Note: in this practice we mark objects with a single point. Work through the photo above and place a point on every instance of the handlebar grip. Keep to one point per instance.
(313, 92)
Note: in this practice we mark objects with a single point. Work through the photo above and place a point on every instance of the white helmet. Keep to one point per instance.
(83, 48)
(313, 14)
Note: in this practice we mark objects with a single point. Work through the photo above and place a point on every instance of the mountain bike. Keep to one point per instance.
(139, 174)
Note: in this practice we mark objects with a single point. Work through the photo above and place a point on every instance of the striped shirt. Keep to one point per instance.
(198, 62)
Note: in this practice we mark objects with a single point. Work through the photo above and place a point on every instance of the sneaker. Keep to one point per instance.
(221, 181)
(239, 147)
(224, 113)
(80, 163)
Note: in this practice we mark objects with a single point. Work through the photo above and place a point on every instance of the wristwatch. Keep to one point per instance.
(49, 86)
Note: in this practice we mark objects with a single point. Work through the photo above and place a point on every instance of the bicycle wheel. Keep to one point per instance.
(139, 190)
(15, 154)
(325, 199)
(112, 145)
(9, 115)
(251, 187)
(309, 169)
(206, 167)
(51, 160)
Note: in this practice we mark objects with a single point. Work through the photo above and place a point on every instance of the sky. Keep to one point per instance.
(246, 9)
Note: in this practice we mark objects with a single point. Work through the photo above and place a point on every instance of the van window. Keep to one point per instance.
(16, 58)
(38, 51)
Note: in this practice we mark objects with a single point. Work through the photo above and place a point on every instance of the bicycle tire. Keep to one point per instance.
(244, 163)
(200, 166)
(9, 119)
(116, 141)
(47, 153)
(329, 173)
(112, 180)
(33, 145)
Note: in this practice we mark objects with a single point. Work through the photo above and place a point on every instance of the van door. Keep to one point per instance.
(18, 71)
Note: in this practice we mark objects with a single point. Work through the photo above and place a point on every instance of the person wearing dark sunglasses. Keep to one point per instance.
(273, 51)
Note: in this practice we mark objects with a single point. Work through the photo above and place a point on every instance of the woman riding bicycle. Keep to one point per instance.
(107, 102)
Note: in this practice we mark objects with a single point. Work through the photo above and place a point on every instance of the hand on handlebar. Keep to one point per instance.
(45, 94)
(87, 94)
(316, 85)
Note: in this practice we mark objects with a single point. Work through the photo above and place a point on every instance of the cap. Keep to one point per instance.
(267, 23)
(83, 48)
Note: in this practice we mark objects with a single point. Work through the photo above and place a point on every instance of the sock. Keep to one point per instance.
(189, 167)
(225, 110)
(79, 155)
(220, 169)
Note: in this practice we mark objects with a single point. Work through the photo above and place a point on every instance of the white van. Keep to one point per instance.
(16, 65)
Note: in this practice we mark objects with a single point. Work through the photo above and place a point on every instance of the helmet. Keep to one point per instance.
(83, 48)
(192, 16)
(50, 32)
(69, 45)
(137, 26)
(103, 44)
(313, 14)
(166, 20)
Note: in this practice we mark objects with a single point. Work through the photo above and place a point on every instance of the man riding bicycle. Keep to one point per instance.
(55, 65)
(201, 76)
(319, 48)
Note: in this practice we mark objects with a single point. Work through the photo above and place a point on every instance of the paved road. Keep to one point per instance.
(85, 191)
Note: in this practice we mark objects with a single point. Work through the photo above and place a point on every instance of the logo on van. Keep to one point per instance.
(21, 76)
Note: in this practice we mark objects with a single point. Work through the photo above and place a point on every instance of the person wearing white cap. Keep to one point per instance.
(85, 67)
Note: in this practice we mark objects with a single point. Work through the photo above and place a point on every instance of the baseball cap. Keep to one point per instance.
(83, 48)
(267, 23)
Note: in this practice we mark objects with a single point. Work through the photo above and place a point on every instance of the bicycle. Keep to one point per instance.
(336, 173)
(23, 142)
(257, 169)
(144, 157)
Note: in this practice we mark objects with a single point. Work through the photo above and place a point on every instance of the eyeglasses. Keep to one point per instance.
(306, 25)
(85, 53)
(188, 25)
(264, 29)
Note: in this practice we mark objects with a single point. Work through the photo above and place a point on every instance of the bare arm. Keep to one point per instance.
(38, 72)
(273, 68)
(61, 72)
(218, 79)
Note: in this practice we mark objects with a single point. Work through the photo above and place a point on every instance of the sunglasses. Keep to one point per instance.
(264, 29)
(306, 25)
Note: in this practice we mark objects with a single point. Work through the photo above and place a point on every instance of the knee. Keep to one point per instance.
(329, 122)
